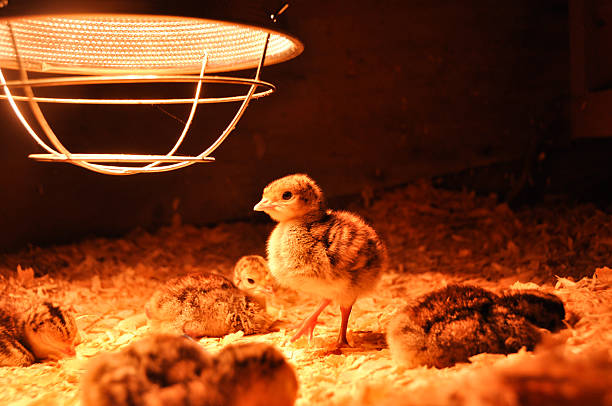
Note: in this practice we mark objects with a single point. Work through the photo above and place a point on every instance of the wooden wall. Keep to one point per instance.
(385, 92)
(591, 67)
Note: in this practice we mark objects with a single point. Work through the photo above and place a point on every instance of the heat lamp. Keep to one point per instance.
(104, 42)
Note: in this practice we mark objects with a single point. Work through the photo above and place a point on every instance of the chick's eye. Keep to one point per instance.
(287, 195)
(250, 281)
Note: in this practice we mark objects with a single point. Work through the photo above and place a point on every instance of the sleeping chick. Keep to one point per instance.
(332, 254)
(542, 309)
(136, 374)
(205, 304)
(451, 324)
(252, 276)
(44, 332)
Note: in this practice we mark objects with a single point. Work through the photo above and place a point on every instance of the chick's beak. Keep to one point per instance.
(262, 291)
(263, 205)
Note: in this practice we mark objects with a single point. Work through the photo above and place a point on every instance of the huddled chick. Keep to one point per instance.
(542, 309)
(253, 374)
(252, 276)
(175, 370)
(43, 332)
(205, 304)
(331, 254)
(130, 377)
(451, 324)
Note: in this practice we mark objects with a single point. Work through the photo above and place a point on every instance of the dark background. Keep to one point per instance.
(475, 93)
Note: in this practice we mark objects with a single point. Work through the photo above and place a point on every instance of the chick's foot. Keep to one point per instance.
(310, 323)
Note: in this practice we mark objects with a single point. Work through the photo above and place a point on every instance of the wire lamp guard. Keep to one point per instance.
(114, 44)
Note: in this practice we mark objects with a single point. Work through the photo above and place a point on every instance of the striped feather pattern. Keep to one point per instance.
(44, 331)
(205, 304)
(332, 254)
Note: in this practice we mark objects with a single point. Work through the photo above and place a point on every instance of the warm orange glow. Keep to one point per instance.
(103, 48)
(98, 44)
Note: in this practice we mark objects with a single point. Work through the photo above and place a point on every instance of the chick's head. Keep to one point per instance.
(51, 332)
(291, 197)
(252, 275)
(543, 309)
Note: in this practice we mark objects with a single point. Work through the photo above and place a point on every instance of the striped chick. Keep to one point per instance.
(44, 331)
(331, 254)
(205, 304)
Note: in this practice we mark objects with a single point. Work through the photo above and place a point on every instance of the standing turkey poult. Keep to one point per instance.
(331, 254)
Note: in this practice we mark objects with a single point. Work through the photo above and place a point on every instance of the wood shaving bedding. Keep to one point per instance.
(434, 236)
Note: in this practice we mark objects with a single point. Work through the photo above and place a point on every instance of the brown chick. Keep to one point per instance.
(252, 276)
(542, 309)
(44, 332)
(249, 374)
(331, 254)
(253, 374)
(205, 304)
(451, 324)
(137, 374)
(175, 370)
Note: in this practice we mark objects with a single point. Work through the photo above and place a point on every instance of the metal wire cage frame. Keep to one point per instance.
(127, 164)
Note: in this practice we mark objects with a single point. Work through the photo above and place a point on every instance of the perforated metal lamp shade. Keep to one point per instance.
(139, 41)
(93, 36)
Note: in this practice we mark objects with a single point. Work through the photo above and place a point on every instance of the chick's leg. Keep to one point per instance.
(309, 324)
(346, 313)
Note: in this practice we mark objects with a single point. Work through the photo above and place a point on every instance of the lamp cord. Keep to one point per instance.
(166, 112)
